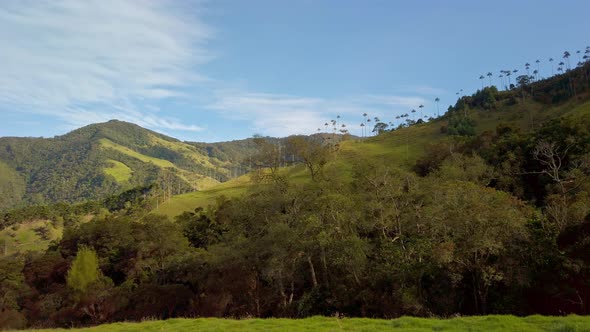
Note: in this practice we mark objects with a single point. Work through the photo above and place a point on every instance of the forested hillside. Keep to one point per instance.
(103, 159)
(484, 210)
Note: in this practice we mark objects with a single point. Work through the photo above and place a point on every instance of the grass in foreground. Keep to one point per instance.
(476, 323)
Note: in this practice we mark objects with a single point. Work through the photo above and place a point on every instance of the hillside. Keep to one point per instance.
(103, 159)
(404, 146)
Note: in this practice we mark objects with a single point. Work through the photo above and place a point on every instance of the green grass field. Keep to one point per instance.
(25, 237)
(121, 172)
(108, 144)
(477, 323)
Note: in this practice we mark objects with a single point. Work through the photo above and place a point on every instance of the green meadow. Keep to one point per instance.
(328, 324)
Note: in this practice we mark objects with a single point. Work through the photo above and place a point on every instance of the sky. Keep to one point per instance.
(225, 69)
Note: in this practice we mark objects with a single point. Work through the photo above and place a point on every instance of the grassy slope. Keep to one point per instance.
(477, 323)
(24, 238)
(198, 181)
(121, 172)
(400, 148)
(108, 144)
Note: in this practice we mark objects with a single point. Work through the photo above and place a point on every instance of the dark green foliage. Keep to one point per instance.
(460, 126)
(200, 229)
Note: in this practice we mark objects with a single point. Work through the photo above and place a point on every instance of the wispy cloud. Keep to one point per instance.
(282, 115)
(85, 61)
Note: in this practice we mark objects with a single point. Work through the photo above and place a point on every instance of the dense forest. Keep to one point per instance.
(490, 222)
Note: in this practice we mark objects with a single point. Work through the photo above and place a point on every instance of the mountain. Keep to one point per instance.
(106, 158)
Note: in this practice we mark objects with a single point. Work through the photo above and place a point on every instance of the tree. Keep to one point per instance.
(481, 77)
(313, 154)
(380, 128)
(84, 270)
(551, 61)
(489, 74)
(477, 229)
(437, 100)
(566, 56)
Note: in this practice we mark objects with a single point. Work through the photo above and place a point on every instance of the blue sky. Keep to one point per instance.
(223, 70)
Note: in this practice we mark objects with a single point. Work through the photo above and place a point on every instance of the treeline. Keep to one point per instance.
(498, 223)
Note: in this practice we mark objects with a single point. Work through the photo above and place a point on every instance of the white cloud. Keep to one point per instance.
(283, 115)
(91, 60)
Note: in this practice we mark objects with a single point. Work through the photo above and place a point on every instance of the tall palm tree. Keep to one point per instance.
(437, 109)
(538, 62)
(334, 131)
(421, 107)
(551, 61)
(489, 74)
(365, 121)
(566, 56)
(481, 77)
(536, 74)
(501, 77)
(362, 129)
(508, 75)
(527, 66)
(326, 125)
(578, 53)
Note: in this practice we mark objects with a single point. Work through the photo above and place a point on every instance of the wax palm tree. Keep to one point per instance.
(481, 77)
(437, 108)
(551, 61)
(566, 56)
(501, 77)
(489, 74)
(421, 107)
(527, 66)
(538, 63)
(578, 52)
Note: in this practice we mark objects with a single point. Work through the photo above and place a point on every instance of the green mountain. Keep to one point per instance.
(103, 159)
